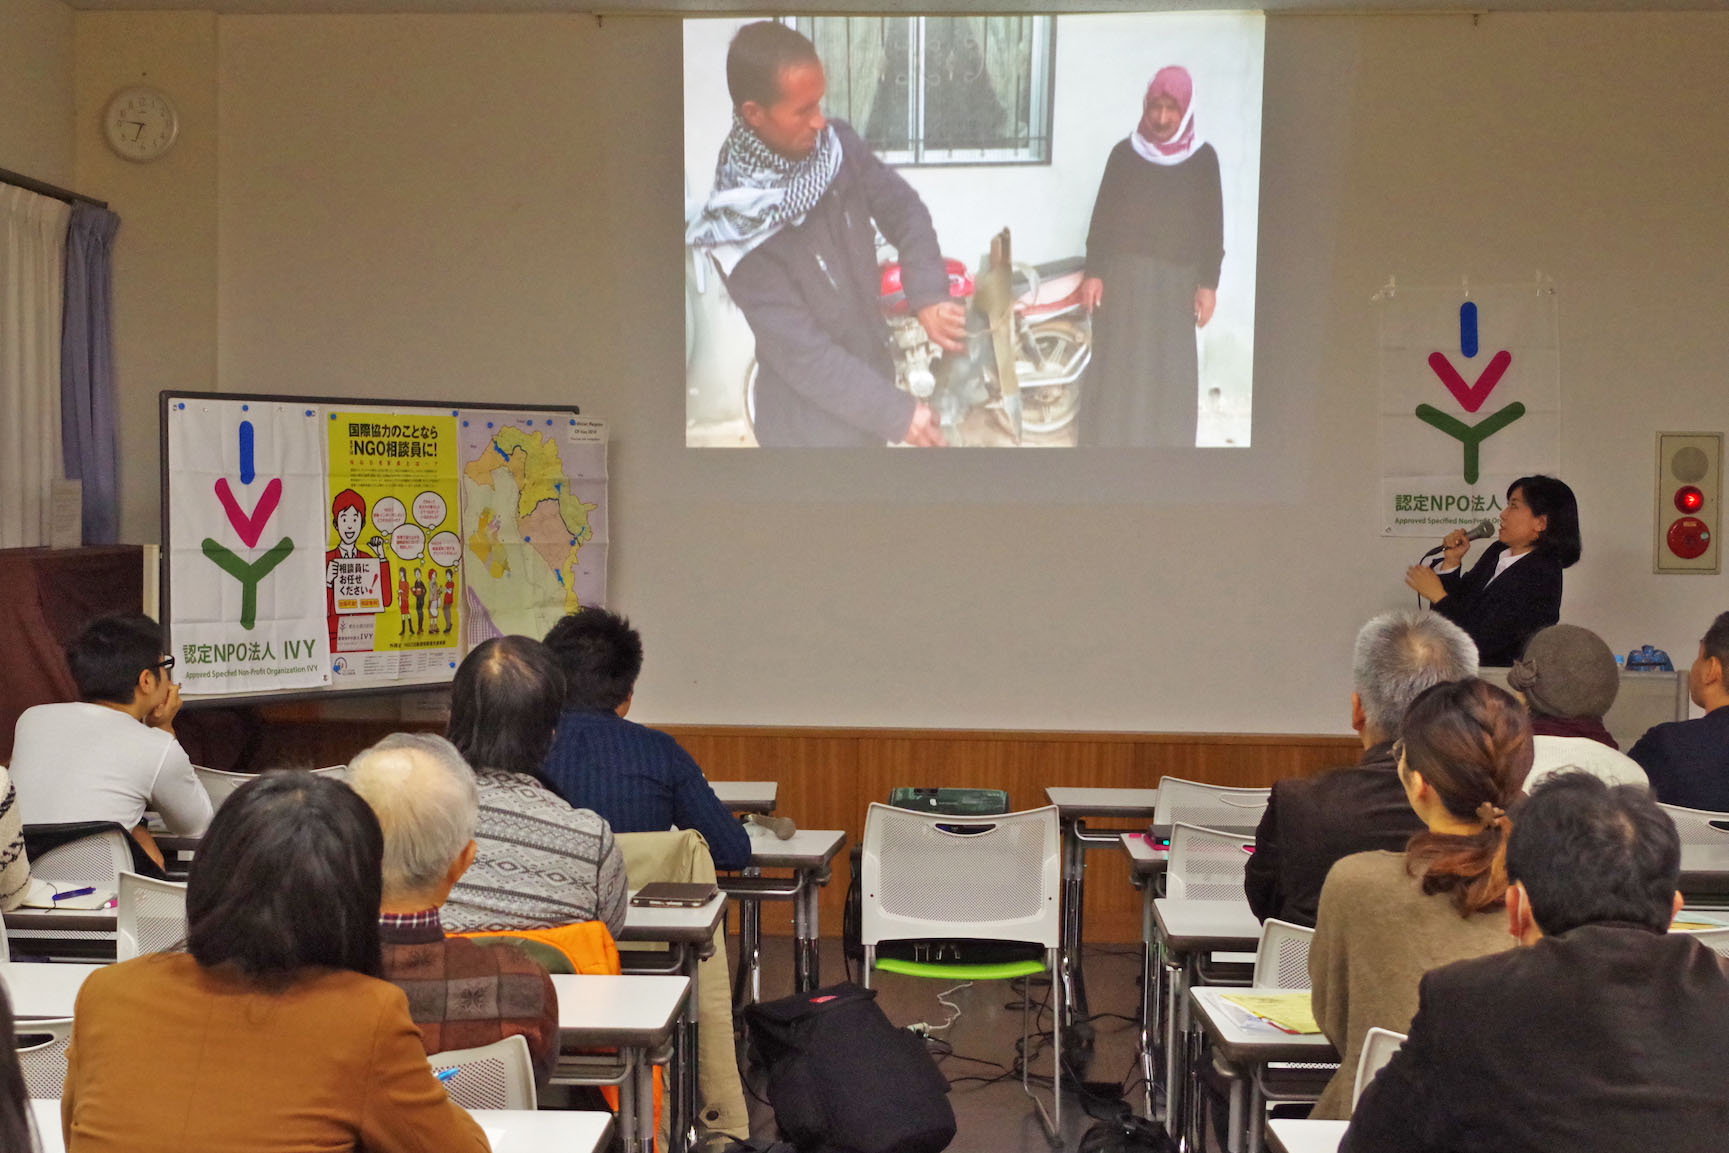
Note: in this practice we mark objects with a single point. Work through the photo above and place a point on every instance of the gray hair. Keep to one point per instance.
(427, 804)
(1398, 655)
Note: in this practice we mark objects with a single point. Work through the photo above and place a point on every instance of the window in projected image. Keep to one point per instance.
(940, 89)
(1004, 231)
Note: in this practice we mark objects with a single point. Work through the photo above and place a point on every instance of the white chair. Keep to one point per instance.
(150, 916)
(999, 878)
(1208, 806)
(495, 1076)
(1379, 1045)
(1694, 825)
(43, 1061)
(1206, 864)
(1282, 961)
(219, 783)
(96, 860)
(1717, 940)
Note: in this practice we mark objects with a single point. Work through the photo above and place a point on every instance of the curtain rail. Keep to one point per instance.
(42, 188)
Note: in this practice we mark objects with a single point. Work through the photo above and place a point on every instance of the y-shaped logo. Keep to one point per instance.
(250, 526)
(1471, 396)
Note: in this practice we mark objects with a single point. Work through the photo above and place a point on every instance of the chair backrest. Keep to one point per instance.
(1206, 864)
(1379, 1045)
(1717, 940)
(931, 876)
(1282, 961)
(495, 1076)
(220, 782)
(94, 860)
(1208, 806)
(150, 916)
(43, 1058)
(1694, 825)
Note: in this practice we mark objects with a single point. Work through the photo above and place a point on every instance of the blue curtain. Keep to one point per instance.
(89, 429)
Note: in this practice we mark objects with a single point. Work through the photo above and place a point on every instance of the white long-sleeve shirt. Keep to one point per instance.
(85, 762)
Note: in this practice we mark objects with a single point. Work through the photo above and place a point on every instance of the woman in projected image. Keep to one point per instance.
(1153, 255)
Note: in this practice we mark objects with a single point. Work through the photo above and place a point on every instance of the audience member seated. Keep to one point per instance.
(113, 754)
(1568, 680)
(1388, 918)
(274, 1032)
(1312, 822)
(1604, 1031)
(15, 1131)
(1688, 761)
(541, 862)
(639, 779)
(462, 994)
(14, 861)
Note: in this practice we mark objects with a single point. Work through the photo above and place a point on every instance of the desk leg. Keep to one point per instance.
(685, 1086)
(644, 1078)
(747, 980)
(1176, 990)
(1074, 895)
(1152, 968)
(630, 1137)
(806, 930)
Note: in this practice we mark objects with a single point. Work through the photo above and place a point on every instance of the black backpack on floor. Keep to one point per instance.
(843, 1079)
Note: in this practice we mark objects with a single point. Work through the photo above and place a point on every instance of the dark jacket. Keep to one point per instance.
(1501, 615)
(1310, 823)
(1607, 1038)
(1688, 761)
(825, 376)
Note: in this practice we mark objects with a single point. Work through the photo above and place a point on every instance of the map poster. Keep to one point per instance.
(246, 494)
(534, 519)
(392, 560)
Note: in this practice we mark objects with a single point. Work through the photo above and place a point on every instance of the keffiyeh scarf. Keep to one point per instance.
(758, 192)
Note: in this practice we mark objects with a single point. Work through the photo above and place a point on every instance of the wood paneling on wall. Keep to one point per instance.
(828, 777)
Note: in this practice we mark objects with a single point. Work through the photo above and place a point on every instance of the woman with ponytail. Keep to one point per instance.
(1385, 919)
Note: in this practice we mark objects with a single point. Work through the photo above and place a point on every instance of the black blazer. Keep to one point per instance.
(1608, 1038)
(1501, 616)
(1311, 823)
(1688, 762)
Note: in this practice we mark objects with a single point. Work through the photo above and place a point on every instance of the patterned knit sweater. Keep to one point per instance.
(14, 866)
(541, 862)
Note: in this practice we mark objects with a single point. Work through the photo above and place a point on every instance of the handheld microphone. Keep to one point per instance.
(1483, 529)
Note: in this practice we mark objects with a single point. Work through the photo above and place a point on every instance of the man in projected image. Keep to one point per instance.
(792, 223)
(1153, 256)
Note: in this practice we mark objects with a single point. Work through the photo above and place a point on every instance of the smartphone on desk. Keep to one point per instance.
(673, 895)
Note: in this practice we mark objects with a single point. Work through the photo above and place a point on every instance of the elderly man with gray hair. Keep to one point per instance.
(1312, 822)
(462, 994)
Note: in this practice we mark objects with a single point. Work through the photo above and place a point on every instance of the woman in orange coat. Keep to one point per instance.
(274, 1031)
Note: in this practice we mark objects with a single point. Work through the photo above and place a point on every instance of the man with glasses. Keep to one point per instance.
(111, 754)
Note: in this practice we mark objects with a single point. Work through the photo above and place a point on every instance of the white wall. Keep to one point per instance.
(36, 89)
(472, 207)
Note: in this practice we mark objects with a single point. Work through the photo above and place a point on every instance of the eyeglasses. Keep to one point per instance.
(164, 664)
(1398, 752)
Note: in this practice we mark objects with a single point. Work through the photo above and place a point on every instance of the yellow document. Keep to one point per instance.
(1290, 1012)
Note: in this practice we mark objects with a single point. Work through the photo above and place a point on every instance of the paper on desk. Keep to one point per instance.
(1291, 1012)
(40, 895)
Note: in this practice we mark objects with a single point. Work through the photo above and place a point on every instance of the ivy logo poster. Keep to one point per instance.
(392, 558)
(1470, 400)
(245, 513)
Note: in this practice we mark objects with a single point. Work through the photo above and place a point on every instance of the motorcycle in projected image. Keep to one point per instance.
(1028, 342)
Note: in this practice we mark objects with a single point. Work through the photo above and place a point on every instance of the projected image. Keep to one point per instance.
(979, 231)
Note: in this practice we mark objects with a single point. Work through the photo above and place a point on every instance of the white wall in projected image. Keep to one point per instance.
(1100, 68)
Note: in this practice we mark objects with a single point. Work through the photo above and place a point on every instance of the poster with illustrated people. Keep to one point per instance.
(391, 546)
(318, 544)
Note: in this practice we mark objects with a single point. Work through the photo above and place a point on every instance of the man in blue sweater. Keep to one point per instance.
(638, 778)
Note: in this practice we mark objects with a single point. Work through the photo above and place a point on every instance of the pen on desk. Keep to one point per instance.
(70, 893)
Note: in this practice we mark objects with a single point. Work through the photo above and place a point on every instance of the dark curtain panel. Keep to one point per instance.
(89, 430)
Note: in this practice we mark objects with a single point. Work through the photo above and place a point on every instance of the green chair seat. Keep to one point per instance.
(1002, 971)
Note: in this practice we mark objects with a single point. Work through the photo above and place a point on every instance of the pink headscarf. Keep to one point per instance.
(1175, 83)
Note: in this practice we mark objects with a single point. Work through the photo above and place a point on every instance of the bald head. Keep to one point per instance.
(425, 798)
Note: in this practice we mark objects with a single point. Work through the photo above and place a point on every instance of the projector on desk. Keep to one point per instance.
(1647, 659)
